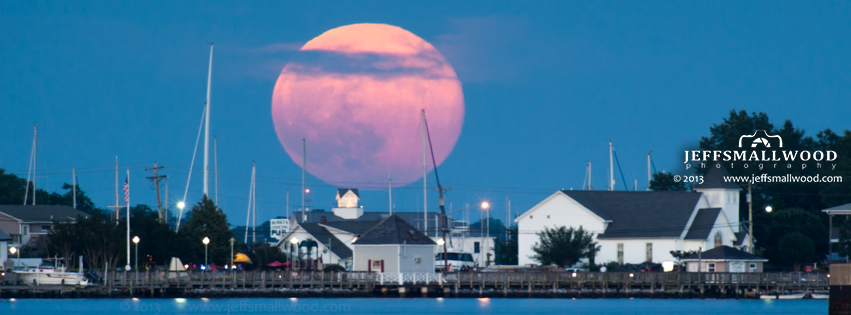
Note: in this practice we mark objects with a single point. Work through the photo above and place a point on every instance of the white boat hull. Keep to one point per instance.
(820, 296)
(33, 278)
(794, 296)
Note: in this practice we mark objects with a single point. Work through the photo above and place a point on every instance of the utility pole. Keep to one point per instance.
(156, 179)
(165, 213)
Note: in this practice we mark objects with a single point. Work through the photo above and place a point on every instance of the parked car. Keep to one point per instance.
(576, 269)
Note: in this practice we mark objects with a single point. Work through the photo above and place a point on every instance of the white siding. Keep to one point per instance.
(557, 210)
(634, 250)
(389, 253)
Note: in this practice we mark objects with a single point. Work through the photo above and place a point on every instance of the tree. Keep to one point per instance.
(796, 249)
(769, 228)
(665, 182)
(94, 236)
(206, 220)
(564, 246)
(506, 252)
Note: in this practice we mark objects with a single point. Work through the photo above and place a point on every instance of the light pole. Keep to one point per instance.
(206, 242)
(136, 241)
(231, 252)
(14, 250)
(486, 206)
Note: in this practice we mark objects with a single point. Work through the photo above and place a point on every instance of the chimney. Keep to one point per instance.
(323, 219)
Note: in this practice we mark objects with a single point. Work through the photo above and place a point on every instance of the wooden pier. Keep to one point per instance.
(286, 283)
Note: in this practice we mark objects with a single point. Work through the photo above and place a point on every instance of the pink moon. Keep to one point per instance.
(355, 94)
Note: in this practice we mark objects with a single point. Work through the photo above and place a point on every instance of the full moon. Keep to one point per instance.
(355, 95)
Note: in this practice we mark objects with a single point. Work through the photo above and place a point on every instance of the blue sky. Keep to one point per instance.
(546, 86)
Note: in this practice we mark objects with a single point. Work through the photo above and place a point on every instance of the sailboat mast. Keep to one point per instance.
(35, 161)
(390, 194)
(253, 204)
(425, 200)
(207, 128)
(303, 169)
(74, 185)
(30, 170)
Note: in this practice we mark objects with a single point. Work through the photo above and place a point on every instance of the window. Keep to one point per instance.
(25, 230)
(476, 247)
(531, 217)
(649, 257)
(45, 227)
(548, 216)
(752, 267)
(620, 253)
(718, 241)
(711, 267)
(732, 197)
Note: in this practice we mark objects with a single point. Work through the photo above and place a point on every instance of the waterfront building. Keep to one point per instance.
(642, 226)
(724, 259)
(394, 246)
(28, 226)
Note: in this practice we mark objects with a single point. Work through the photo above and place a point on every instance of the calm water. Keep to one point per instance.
(408, 306)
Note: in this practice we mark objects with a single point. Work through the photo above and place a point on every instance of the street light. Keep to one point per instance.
(486, 206)
(206, 242)
(768, 209)
(136, 241)
(181, 205)
(14, 250)
(231, 251)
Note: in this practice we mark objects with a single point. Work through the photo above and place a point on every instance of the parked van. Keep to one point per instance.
(456, 260)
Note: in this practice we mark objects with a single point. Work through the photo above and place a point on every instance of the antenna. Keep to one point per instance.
(649, 176)
(611, 167)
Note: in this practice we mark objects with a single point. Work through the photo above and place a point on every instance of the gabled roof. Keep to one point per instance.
(4, 237)
(740, 238)
(702, 224)
(840, 209)
(42, 213)
(714, 178)
(342, 191)
(414, 218)
(394, 231)
(637, 214)
(724, 253)
(323, 236)
(354, 227)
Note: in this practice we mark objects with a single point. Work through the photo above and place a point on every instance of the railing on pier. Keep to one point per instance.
(363, 279)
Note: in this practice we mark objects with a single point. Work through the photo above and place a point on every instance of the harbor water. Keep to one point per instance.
(407, 306)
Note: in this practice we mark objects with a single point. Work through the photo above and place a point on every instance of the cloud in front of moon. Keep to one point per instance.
(355, 94)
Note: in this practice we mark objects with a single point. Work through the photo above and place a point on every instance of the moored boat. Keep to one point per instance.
(792, 296)
(51, 272)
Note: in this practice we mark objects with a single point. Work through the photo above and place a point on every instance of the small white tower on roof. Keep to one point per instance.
(348, 206)
(721, 194)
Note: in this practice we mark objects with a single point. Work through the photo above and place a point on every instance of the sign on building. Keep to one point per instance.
(279, 227)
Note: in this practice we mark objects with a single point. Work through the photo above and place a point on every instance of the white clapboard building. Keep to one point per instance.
(641, 226)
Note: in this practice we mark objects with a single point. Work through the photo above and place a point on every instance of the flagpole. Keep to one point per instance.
(127, 200)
